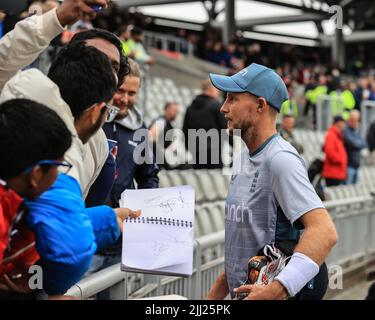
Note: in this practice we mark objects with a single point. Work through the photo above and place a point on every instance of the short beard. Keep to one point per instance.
(246, 127)
(121, 116)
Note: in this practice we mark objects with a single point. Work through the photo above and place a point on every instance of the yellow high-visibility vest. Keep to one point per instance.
(128, 46)
(290, 107)
(343, 103)
(317, 92)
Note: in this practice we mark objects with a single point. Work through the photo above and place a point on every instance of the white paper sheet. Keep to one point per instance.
(165, 246)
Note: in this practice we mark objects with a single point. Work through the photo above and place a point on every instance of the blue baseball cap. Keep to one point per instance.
(257, 80)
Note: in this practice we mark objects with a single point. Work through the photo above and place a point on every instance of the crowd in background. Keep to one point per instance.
(306, 75)
(208, 43)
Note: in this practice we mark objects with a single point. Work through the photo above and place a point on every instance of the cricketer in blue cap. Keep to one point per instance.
(256, 79)
(270, 198)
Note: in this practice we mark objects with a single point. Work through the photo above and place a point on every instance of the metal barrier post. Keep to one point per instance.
(190, 49)
(164, 44)
(324, 115)
(158, 290)
(368, 238)
(146, 75)
(367, 115)
(188, 286)
(198, 258)
(319, 115)
(126, 293)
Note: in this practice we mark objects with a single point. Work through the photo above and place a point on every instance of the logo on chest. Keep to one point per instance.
(233, 177)
(254, 182)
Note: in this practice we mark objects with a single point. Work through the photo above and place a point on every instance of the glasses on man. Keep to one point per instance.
(66, 166)
(112, 112)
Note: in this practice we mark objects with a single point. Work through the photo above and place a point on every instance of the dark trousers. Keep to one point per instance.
(371, 292)
(333, 182)
(317, 288)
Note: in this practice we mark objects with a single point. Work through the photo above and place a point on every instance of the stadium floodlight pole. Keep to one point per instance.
(338, 48)
(230, 21)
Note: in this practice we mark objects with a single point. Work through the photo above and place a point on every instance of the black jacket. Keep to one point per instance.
(204, 113)
(371, 137)
(146, 175)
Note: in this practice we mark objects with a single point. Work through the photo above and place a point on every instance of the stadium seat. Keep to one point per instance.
(220, 182)
(190, 178)
(210, 190)
(175, 178)
(164, 180)
(203, 220)
(217, 215)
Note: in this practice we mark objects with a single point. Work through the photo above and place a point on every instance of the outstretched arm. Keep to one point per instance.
(31, 36)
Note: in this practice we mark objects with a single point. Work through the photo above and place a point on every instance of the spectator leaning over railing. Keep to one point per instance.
(28, 167)
(130, 167)
(83, 83)
(35, 31)
(354, 143)
(22, 46)
(335, 164)
(110, 45)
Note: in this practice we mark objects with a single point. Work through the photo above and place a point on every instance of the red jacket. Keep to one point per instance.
(336, 159)
(20, 253)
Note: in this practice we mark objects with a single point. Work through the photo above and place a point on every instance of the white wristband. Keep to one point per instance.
(297, 273)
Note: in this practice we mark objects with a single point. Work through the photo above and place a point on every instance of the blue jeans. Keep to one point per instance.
(352, 176)
(100, 262)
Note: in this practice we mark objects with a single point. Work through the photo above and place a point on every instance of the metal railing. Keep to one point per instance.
(118, 282)
(145, 88)
(354, 219)
(324, 114)
(167, 43)
(367, 116)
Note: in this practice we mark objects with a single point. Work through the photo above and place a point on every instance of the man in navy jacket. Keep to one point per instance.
(130, 167)
(354, 143)
(130, 131)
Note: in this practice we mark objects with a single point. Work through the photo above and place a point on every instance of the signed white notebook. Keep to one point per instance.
(161, 240)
